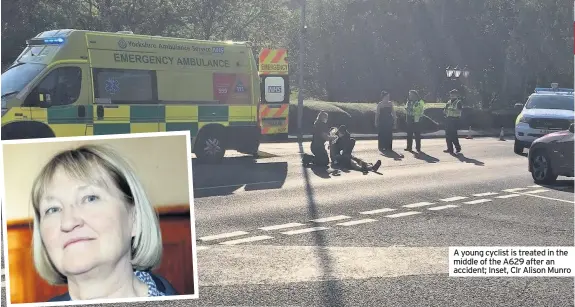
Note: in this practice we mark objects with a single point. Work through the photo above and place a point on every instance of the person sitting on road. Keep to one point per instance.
(341, 152)
(321, 135)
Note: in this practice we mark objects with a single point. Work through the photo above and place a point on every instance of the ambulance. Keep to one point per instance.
(75, 82)
(273, 70)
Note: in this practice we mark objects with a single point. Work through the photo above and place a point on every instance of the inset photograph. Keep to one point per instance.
(99, 219)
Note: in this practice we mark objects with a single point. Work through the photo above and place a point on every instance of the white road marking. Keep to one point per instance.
(408, 213)
(237, 185)
(3, 284)
(508, 196)
(515, 190)
(305, 230)
(442, 207)
(202, 247)
(534, 186)
(456, 198)
(485, 194)
(357, 222)
(283, 226)
(382, 210)
(224, 235)
(421, 204)
(246, 240)
(536, 191)
(550, 198)
(477, 201)
(331, 219)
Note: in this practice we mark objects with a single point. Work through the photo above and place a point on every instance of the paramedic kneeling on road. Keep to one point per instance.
(320, 137)
(341, 153)
(95, 229)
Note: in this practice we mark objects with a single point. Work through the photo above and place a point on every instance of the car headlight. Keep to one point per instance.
(523, 119)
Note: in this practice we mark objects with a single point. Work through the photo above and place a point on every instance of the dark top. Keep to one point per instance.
(161, 284)
(318, 129)
(342, 142)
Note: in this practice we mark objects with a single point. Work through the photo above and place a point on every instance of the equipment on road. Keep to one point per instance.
(273, 70)
(469, 136)
(77, 82)
(547, 110)
(502, 135)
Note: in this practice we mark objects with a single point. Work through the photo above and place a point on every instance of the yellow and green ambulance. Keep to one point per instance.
(76, 82)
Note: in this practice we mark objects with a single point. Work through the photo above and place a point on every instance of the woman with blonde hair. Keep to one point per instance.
(95, 229)
(385, 119)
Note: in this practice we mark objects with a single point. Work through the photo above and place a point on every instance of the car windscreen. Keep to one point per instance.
(554, 102)
(18, 76)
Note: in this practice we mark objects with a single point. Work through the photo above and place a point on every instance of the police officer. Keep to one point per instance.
(414, 112)
(452, 113)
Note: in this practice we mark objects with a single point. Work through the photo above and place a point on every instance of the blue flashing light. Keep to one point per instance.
(552, 90)
(54, 40)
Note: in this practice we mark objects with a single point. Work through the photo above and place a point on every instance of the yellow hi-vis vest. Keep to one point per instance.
(452, 108)
(414, 109)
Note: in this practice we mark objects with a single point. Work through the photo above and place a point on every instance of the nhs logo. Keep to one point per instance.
(218, 50)
(275, 89)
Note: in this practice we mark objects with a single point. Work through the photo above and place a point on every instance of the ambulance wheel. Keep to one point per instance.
(210, 147)
(26, 130)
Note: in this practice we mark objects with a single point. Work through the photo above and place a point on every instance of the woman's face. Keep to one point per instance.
(84, 226)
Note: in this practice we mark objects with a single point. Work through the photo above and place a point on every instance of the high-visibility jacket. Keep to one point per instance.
(414, 109)
(453, 108)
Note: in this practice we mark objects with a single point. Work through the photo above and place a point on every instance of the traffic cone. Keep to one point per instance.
(469, 136)
(502, 135)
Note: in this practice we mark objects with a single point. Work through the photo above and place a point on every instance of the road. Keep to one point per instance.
(272, 233)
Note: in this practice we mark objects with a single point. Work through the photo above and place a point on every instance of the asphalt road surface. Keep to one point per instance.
(271, 233)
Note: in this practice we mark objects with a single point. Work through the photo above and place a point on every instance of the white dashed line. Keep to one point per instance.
(357, 222)
(534, 186)
(224, 235)
(331, 219)
(537, 191)
(508, 196)
(456, 198)
(283, 226)
(382, 210)
(485, 194)
(515, 190)
(421, 204)
(477, 201)
(408, 213)
(200, 248)
(246, 240)
(442, 207)
(3, 284)
(305, 230)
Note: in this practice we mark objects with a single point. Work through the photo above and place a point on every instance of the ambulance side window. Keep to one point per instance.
(125, 86)
(61, 86)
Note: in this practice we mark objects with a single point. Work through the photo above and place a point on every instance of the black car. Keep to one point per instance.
(551, 156)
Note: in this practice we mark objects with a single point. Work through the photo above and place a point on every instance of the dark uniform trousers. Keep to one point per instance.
(413, 131)
(451, 136)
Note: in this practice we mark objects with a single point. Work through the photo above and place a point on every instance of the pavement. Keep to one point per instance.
(272, 233)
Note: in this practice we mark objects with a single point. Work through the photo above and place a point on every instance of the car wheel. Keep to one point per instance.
(541, 168)
(518, 147)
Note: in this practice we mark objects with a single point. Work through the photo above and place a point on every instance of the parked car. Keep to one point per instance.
(552, 156)
(547, 110)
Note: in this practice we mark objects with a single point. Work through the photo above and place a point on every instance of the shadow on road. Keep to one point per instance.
(321, 171)
(560, 185)
(236, 173)
(425, 157)
(461, 157)
(331, 289)
(392, 154)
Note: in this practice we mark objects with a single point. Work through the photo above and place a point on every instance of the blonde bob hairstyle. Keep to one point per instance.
(98, 164)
